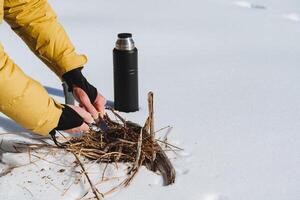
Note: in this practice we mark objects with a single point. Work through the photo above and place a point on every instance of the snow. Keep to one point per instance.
(225, 76)
(292, 16)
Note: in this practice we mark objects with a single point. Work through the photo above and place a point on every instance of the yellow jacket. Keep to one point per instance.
(22, 98)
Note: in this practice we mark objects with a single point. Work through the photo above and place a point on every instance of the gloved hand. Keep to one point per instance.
(85, 93)
(74, 120)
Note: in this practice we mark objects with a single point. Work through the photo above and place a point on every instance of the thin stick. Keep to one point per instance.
(41, 158)
(163, 128)
(147, 124)
(139, 149)
(29, 156)
(56, 187)
(168, 144)
(88, 178)
(118, 116)
(7, 171)
(151, 120)
(103, 173)
(23, 187)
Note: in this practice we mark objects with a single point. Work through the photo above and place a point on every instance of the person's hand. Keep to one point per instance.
(85, 93)
(95, 108)
(87, 119)
(74, 119)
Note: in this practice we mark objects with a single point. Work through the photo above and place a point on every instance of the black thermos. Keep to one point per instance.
(125, 59)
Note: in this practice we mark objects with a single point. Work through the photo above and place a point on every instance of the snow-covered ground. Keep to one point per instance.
(225, 75)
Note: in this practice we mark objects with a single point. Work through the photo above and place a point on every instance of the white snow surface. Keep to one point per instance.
(224, 77)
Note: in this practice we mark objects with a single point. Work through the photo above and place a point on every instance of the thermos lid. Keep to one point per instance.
(125, 42)
(124, 35)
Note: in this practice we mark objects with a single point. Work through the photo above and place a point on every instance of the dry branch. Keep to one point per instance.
(95, 191)
(151, 122)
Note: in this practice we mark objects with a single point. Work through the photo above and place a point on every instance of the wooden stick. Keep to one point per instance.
(151, 121)
(139, 150)
(88, 178)
(118, 116)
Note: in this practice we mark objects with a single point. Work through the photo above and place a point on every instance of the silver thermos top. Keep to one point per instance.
(125, 42)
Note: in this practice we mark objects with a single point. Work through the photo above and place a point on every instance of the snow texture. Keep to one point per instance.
(224, 77)
(292, 16)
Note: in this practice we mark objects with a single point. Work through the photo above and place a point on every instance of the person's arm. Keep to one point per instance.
(25, 100)
(36, 23)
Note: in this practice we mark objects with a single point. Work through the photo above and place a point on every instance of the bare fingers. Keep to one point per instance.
(99, 104)
(87, 118)
(84, 100)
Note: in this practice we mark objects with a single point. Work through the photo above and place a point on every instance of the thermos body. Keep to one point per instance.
(125, 62)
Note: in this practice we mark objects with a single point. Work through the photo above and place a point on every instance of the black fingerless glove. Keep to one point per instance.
(75, 78)
(69, 119)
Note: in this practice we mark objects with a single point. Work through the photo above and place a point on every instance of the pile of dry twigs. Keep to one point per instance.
(124, 141)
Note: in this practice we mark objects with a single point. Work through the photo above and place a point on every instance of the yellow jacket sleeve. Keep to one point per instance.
(25, 100)
(36, 23)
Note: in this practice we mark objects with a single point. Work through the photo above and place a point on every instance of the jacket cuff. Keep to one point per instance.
(69, 63)
(46, 126)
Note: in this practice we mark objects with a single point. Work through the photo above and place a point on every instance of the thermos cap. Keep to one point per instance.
(125, 42)
(124, 35)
